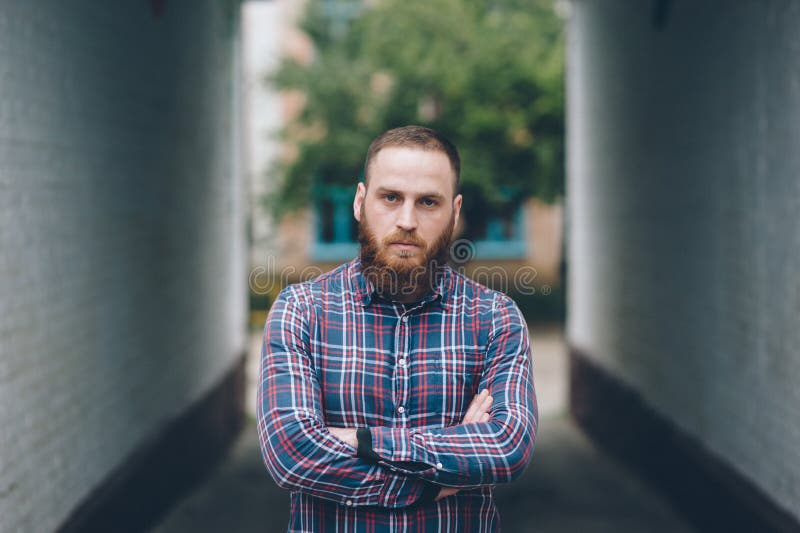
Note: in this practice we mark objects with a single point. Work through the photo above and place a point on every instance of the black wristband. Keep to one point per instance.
(364, 450)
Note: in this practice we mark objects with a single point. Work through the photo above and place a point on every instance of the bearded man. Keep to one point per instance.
(395, 392)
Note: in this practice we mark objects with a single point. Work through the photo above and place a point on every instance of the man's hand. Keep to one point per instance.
(478, 411)
(347, 435)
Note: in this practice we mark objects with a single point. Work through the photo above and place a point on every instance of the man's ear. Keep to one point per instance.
(358, 201)
(456, 210)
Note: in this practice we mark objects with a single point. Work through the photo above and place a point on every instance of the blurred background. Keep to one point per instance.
(630, 178)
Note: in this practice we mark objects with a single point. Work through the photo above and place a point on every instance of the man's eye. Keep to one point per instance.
(428, 202)
(390, 197)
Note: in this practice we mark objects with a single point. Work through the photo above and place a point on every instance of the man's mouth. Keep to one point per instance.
(405, 245)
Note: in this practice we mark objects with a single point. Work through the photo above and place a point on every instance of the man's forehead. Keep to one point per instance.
(410, 155)
(412, 168)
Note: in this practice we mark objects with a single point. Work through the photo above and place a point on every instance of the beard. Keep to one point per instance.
(404, 278)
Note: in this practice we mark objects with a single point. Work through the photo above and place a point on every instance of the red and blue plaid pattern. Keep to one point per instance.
(337, 355)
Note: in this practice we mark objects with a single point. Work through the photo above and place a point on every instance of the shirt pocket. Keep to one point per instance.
(356, 387)
(447, 383)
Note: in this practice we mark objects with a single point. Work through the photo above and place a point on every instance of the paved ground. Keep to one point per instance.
(569, 487)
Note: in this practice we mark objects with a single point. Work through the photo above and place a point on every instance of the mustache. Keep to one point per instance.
(406, 237)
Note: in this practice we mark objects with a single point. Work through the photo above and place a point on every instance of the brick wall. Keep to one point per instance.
(684, 207)
(122, 255)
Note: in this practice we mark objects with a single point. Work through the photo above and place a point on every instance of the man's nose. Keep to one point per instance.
(407, 218)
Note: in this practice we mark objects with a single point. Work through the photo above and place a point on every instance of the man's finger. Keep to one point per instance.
(445, 492)
(473, 406)
(477, 407)
(485, 417)
(472, 410)
(483, 407)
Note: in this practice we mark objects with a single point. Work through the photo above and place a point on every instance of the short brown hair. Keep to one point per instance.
(415, 137)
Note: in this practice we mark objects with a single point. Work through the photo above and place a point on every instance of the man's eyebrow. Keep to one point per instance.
(385, 190)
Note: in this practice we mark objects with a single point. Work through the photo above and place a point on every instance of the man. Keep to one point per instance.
(395, 392)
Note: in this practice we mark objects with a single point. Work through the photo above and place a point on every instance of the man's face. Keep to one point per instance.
(409, 211)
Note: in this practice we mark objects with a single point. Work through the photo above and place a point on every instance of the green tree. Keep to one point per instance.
(487, 74)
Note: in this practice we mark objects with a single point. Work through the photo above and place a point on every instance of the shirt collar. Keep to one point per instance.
(364, 291)
(361, 287)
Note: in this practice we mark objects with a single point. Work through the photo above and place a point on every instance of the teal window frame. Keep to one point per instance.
(497, 246)
(341, 247)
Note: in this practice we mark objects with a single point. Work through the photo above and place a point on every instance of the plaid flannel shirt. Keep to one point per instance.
(337, 355)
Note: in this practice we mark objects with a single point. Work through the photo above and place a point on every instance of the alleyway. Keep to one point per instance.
(569, 487)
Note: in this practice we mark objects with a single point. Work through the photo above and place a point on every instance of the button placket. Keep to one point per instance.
(401, 372)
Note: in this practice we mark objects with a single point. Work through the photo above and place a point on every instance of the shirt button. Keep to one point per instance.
(349, 503)
(401, 409)
(405, 319)
(402, 362)
(438, 466)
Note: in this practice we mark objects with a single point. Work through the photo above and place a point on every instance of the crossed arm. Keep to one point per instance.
(492, 444)
(478, 411)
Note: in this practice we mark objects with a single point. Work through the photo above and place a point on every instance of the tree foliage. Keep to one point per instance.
(487, 74)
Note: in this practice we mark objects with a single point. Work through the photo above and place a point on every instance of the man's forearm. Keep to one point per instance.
(361, 439)
(486, 453)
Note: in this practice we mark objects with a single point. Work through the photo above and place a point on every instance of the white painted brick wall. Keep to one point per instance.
(684, 206)
(122, 254)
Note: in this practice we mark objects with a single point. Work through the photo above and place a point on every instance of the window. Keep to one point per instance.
(501, 236)
(335, 229)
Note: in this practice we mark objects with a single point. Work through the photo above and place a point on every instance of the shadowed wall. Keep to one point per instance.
(122, 253)
(684, 207)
